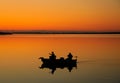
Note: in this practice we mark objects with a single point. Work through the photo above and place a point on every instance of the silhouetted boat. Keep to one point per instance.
(58, 63)
(53, 63)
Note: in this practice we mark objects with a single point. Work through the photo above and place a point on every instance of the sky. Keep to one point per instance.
(77, 15)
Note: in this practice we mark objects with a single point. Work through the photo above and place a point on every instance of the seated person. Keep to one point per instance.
(53, 56)
(70, 56)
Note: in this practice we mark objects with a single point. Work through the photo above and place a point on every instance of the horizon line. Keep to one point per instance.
(58, 32)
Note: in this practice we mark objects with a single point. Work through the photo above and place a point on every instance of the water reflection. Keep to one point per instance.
(52, 63)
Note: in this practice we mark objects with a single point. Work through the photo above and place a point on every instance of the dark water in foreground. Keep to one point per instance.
(98, 58)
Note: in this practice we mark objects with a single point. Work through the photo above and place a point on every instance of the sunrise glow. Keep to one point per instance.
(82, 15)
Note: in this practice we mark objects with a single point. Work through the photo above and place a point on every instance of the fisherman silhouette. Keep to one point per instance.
(53, 56)
(70, 56)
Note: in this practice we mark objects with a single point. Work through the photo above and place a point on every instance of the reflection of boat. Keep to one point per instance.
(58, 63)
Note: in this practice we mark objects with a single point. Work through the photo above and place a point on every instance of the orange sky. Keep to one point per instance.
(83, 15)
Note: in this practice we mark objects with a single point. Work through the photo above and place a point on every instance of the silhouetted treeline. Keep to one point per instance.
(62, 32)
(55, 32)
(5, 33)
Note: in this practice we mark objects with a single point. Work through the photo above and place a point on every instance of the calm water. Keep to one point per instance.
(98, 58)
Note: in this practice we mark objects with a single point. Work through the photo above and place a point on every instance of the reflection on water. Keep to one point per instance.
(54, 67)
(98, 58)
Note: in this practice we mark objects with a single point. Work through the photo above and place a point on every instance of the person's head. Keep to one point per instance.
(52, 52)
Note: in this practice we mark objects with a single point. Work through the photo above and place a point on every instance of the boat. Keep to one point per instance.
(53, 63)
(58, 63)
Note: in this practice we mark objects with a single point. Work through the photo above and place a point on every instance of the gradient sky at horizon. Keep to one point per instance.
(83, 15)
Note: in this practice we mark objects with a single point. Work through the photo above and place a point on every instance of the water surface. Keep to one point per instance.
(98, 58)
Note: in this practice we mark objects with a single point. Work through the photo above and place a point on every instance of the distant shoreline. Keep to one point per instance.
(5, 33)
(54, 32)
(67, 33)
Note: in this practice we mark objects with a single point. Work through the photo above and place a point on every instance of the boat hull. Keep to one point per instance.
(58, 63)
